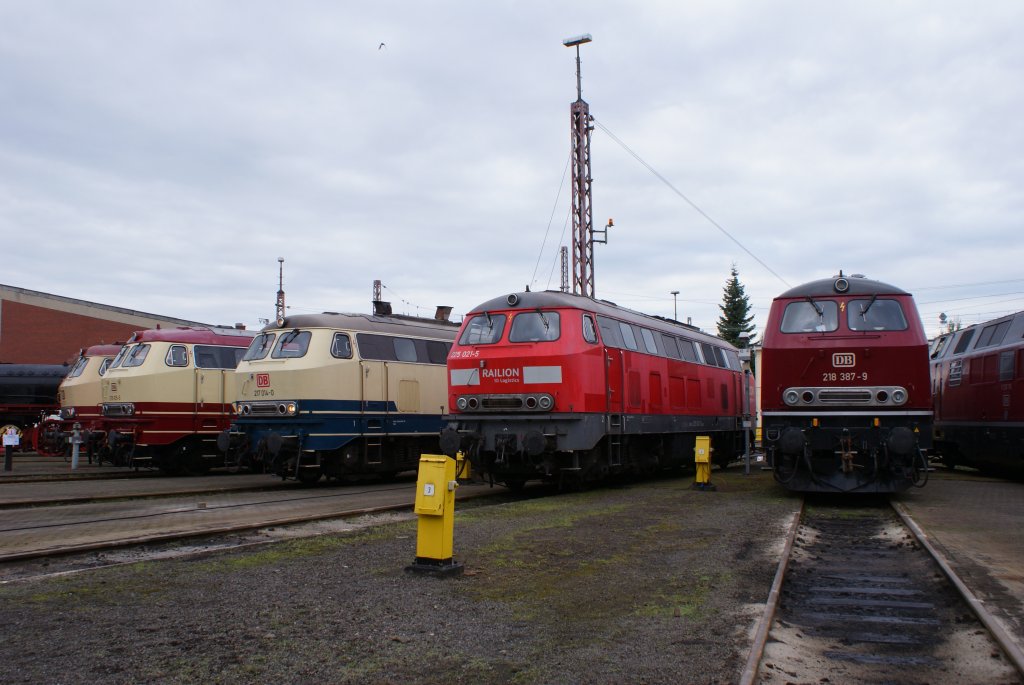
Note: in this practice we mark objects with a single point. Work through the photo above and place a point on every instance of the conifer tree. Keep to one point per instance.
(736, 317)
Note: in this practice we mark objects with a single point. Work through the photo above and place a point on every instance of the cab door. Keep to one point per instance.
(375, 406)
(210, 411)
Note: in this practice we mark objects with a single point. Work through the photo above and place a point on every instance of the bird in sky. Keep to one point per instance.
(381, 46)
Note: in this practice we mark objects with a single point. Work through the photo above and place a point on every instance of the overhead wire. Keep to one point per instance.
(551, 219)
(688, 200)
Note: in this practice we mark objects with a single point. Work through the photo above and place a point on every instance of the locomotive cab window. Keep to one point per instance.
(534, 327)
(484, 329)
(260, 347)
(136, 356)
(589, 329)
(291, 345)
(341, 346)
(105, 364)
(78, 368)
(875, 314)
(810, 316)
(210, 357)
(177, 355)
(120, 356)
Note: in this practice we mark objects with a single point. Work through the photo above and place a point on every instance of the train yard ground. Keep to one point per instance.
(651, 582)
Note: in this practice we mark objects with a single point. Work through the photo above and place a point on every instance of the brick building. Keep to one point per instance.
(39, 328)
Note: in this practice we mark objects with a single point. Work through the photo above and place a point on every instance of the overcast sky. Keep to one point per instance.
(162, 156)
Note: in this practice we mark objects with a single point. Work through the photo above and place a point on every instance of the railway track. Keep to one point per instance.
(861, 596)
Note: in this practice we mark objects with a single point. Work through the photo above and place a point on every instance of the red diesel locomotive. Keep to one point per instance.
(568, 389)
(978, 393)
(845, 400)
(169, 393)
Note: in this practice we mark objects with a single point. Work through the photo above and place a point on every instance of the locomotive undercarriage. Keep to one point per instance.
(847, 455)
(572, 451)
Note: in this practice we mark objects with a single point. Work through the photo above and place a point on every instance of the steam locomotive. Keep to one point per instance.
(845, 395)
(572, 390)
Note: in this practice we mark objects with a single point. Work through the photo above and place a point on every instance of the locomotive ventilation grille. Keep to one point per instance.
(269, 408)
(500, 403)
(879, 396)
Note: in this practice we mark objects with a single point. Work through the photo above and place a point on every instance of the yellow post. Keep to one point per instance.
(702, 462)
(435, 507)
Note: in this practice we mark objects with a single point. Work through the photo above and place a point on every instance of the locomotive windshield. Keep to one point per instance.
(78, 368)
(136, 356)
(292, 344)
(534, 327)
(483, 330)
(875, 314)
(810, 316)
(259, 347)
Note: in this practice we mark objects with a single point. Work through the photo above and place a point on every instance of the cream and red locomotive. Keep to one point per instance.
(28, 393)
(338, 395)
(168, 394)
(978, 393)
(571, 390)
(845, 398)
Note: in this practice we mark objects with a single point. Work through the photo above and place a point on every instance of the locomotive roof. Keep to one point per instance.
(102, 350)
(371, 323)
(557, 298)
(855, 285)
(233, 337)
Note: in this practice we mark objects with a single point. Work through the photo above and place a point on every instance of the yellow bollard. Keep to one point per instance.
(702, 462)
(435, 507)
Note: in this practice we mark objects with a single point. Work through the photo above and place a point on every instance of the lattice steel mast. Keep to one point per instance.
(582, 215)
(279, 307)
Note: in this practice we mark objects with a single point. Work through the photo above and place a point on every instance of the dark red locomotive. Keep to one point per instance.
(565, 388)
(978, 392)
(845, 401)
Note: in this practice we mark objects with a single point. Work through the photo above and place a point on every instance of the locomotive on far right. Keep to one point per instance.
(846, 402)
(978, 394)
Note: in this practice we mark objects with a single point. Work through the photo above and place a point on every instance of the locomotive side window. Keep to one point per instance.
(875, 315)
(720, 357)
(992, 335)
(260, 346)
(483, 330)
(341, 346)
(177, 355)
(734, 360)
(687, 351)
(136, 356)
(1006, 369)
(709, 354)
(938, 346)
(670, 345)
(535, 327)
(292, 344)
(649, 342)
(610, 332)
(211, 357)
(405, 350)
(810, 316)
(589, 329)
(437, 352)
(628, 339)
(105, 364)
(964, 341)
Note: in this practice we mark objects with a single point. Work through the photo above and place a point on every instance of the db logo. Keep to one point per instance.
(263, 380)
(843, 359)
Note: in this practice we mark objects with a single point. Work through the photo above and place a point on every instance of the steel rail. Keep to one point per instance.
(995, 628)
(764, 626)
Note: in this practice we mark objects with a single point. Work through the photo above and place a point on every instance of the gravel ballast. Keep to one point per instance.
(650, 582)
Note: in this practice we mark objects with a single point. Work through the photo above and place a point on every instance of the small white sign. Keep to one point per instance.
(428, 489)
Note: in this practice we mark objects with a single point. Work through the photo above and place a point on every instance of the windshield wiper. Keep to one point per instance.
(864, 310)
(490, 324)
(817, 307)
(543, 319)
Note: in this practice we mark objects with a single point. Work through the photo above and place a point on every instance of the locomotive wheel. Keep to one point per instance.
(308, 476)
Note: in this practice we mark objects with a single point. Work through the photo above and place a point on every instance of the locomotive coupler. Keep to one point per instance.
(846, 451)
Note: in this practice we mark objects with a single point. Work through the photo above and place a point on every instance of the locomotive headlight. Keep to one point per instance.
(287, 408)
(899, 396)
(545, 402)
(472, 403)
(791, 397)
(461, 403)
(530, 402)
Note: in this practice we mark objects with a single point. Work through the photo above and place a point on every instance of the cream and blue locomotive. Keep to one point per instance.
(338, 395)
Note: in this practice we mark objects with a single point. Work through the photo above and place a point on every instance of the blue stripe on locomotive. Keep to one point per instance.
(331, 424)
